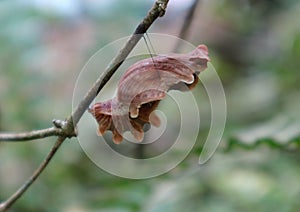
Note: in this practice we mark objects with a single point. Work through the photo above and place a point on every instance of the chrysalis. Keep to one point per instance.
(142, 87)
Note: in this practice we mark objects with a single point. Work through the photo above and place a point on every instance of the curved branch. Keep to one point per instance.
(36, 134)
(158, 10)
(11, 200)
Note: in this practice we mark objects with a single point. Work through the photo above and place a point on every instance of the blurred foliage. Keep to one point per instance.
(254, 46)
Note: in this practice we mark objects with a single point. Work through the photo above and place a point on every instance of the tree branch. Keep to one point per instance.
(36, 134)
(57, 130)
(13, 198)
(67, 128)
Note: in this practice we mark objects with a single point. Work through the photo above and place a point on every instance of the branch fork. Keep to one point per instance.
(66, 129)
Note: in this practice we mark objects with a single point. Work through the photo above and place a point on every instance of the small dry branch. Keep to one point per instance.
(65, 129)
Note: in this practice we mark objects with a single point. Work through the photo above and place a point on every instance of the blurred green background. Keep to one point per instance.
(255, 47)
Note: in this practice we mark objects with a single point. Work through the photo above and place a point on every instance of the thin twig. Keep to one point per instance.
(26, 136)
(187, 23)
(68, 128)
(10, 201)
